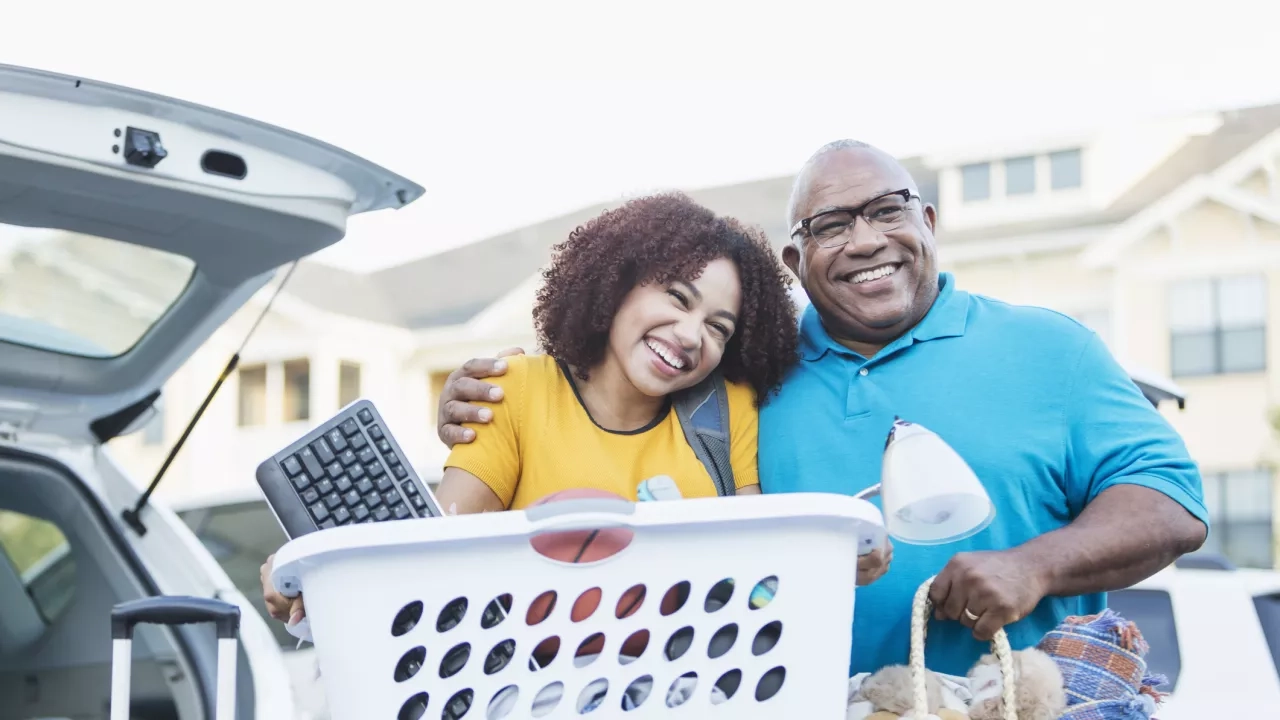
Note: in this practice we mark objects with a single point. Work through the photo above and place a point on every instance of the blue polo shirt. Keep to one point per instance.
(1031, 399)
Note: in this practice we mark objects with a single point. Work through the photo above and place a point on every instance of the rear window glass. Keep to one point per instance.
(1269, 615)
(240, 537)
(41, 556)
(80, 294)
(1152, 611)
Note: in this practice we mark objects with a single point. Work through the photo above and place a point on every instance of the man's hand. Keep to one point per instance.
(286, 610)
(461, 389)
(873, 565)
(987, 590)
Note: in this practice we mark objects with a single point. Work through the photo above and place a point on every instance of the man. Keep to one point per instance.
(1093, 489)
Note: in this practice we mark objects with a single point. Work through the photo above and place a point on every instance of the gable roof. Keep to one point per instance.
(1240, 129)
(454, 286)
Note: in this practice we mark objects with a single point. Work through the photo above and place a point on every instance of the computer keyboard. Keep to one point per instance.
(347, 470)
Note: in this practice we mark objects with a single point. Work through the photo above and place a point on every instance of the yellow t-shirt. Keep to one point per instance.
(541, 440)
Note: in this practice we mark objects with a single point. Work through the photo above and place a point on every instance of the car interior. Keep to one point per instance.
(63, 565)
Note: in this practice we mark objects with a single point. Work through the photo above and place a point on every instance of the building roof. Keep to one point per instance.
(451, 287)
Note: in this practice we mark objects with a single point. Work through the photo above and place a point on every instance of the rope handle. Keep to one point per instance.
(921, 606)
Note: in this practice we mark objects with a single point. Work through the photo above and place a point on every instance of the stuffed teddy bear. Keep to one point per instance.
(1038, 687)
(886, 695)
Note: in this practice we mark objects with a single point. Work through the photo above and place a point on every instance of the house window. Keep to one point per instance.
(1019, 175)
(1218, 325)
(348, 383)
(1065, 170)
(297, 390)
(976, 181)
(1240, 519)
(253, 395)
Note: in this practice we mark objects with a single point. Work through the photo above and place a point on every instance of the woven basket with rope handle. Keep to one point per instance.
(921, 606)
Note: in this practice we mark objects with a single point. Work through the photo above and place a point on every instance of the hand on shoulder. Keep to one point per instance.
(465, 387)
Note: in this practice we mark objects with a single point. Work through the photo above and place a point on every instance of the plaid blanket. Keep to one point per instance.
(1103, 670)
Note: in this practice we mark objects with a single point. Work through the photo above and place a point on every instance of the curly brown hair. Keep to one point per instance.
(659, 239)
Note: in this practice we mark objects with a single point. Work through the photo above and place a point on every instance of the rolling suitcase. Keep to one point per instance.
(173, 610)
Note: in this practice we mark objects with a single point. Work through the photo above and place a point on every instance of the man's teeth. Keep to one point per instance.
(874, 273)
(666, 355)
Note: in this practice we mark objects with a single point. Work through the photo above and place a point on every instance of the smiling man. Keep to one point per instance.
(1093, 489)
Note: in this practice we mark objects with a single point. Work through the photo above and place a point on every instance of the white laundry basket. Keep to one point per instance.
(365, 586)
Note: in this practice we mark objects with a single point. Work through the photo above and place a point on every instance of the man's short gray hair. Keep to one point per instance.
(834, 145)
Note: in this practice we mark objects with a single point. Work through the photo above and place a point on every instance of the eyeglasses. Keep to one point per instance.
(884, 213)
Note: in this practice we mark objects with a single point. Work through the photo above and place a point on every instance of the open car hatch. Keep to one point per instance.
(132, 226)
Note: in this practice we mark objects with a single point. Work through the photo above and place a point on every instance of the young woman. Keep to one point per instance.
(638, 304)
(641, 302)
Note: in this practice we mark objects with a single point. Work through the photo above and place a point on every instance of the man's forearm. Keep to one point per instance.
(1127, 534)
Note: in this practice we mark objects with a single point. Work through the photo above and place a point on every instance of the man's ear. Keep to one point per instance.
(791, 258)
(931, 218)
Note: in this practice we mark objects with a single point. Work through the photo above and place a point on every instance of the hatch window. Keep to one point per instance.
(83, 295)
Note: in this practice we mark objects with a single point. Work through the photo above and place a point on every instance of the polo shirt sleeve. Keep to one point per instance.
(494, 455)
(1115, 436)
(744, 435)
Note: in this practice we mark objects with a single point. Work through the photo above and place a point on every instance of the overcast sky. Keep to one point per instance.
(510, 112)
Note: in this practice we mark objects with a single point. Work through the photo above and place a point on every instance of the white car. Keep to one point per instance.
(131, 227)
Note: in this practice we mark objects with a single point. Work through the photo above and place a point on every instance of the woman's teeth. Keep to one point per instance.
(665, 354)
(874, 273)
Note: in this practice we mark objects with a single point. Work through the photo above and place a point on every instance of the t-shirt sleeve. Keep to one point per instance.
(1115, 436)
(744, 435)
(494, 455)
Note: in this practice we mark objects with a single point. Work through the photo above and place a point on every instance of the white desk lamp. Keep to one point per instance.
(929, 493)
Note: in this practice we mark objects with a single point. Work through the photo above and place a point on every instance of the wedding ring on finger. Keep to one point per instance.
(969, 614)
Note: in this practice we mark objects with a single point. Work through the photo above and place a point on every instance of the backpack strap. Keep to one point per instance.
(703, 411)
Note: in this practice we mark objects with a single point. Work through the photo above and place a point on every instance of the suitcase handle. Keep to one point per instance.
(174, 610)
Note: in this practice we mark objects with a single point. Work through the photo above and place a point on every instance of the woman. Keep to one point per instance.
(640, 303)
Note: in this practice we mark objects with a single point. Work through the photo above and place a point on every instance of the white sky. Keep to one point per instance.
(511, 112)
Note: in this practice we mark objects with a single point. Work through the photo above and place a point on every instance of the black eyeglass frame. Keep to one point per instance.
(905, 193)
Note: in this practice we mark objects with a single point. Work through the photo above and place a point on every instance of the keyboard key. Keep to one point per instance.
(375, 432)
(347, 458)
(323, 453)
(364, 485)
(381, 514)
(367, 455)
(324, 487)
(336, 440)
(310, 495)
(319, 512)
(332, 500)
(401, 512)
(418, 502)
(308, 458)
(292, 466)
(383, 483)
(375, 469)
(352, 498)
(358, 441)
(360, 513)
(356, 472)
(373, 500)
(343, 483)
(365, 416)
(342, 515)
(301, 482)
(384, 447)
(399, 471)
(349, 427)
(410, 489)
(327, 524)
(391, 498)
(335, 469)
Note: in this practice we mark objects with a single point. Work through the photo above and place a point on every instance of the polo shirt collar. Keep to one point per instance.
(947, 318)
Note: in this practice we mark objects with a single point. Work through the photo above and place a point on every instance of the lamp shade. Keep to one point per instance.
(929, 494)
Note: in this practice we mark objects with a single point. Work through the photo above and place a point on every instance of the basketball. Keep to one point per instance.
(578, 546)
